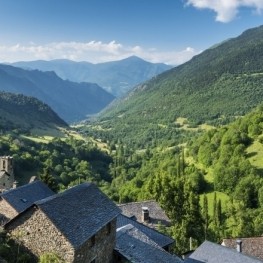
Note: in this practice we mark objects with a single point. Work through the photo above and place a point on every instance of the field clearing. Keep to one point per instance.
(255, 153)
(210, 198)
(41, 139)
(183, 122)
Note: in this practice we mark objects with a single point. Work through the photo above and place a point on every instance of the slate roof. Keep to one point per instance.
(252, 246)
(79, 212)
(159, 238)
(24, 196)
(134, 210)
(137, 247)
(210, 252)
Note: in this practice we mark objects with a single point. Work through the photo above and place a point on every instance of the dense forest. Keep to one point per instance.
(208, 182)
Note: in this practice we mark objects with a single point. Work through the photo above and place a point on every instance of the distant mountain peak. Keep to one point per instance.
(117, 77)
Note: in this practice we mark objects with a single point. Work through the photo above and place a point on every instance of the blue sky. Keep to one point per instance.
(169, 31)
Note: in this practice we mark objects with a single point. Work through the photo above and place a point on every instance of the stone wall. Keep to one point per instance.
(7, 211)
(39, 235)
(102, 249)
(6, 182)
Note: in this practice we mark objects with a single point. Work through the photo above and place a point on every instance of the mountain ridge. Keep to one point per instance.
(213, 87)
(117, 77)
(72, 101)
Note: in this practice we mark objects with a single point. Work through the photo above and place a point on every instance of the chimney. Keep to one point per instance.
(145, 214)
(239, 245)
(15, 184)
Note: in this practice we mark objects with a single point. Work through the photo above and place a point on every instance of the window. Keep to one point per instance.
(108, 228)
(92, 241)
(4, 165)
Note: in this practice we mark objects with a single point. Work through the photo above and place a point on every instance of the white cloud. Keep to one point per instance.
(226, 10)
(93, 51)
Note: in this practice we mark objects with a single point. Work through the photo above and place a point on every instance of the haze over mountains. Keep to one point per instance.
(223, 81)
(71, 101)
(117, 77)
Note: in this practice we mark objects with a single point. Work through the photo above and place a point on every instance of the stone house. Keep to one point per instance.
(135, 247)
(163, 241)
(146, 212)
(252, 246)
(214, 253)
(79, 225)
(7, 179)
(17, 200)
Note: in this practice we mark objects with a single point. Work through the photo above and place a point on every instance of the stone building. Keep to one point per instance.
(146, 212)
(7, 179)
(135, 247)
(17, 200)
(79, 225)
(163, 241)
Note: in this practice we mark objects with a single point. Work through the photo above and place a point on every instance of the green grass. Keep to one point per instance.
(41, 139)
(255, 153)
(210, 198)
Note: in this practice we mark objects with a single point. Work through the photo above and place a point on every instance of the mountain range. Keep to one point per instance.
(222, 82)
(117, 77)
(71, 101)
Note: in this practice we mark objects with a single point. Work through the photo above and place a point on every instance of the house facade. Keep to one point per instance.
(15, 201)
(79, 225)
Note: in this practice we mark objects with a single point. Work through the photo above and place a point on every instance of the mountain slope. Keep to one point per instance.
(72, 101)
(222, 81)
(116, 77)
(19, 111)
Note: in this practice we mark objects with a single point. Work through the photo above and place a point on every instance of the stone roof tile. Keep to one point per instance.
(156, 213)
(213, 253)
(22, 197)
(159, 238)
(79, 212)
(252, 246)
(137, 248)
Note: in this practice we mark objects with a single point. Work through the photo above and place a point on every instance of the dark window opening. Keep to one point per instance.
(92, 241)
(108, 228)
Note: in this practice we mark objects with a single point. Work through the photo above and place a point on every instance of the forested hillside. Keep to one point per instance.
(71, 101)
(210, 186)
(25, 113)
(117, 77)
(214, 87)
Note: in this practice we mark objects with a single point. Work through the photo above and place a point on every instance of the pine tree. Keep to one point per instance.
(205, 215)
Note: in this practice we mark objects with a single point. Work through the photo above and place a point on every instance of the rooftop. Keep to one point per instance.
(252, 246)
(210, 252)
(24, 196)
(79, 212)
(156, 213)
(159, 238)
(137, 247)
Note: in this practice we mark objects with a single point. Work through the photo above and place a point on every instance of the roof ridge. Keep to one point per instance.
(153, 229)
(62, 194)
(21, 187)
(138, 202)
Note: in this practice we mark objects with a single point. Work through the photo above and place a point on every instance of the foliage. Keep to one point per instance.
(59, 163)
(50, 258)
